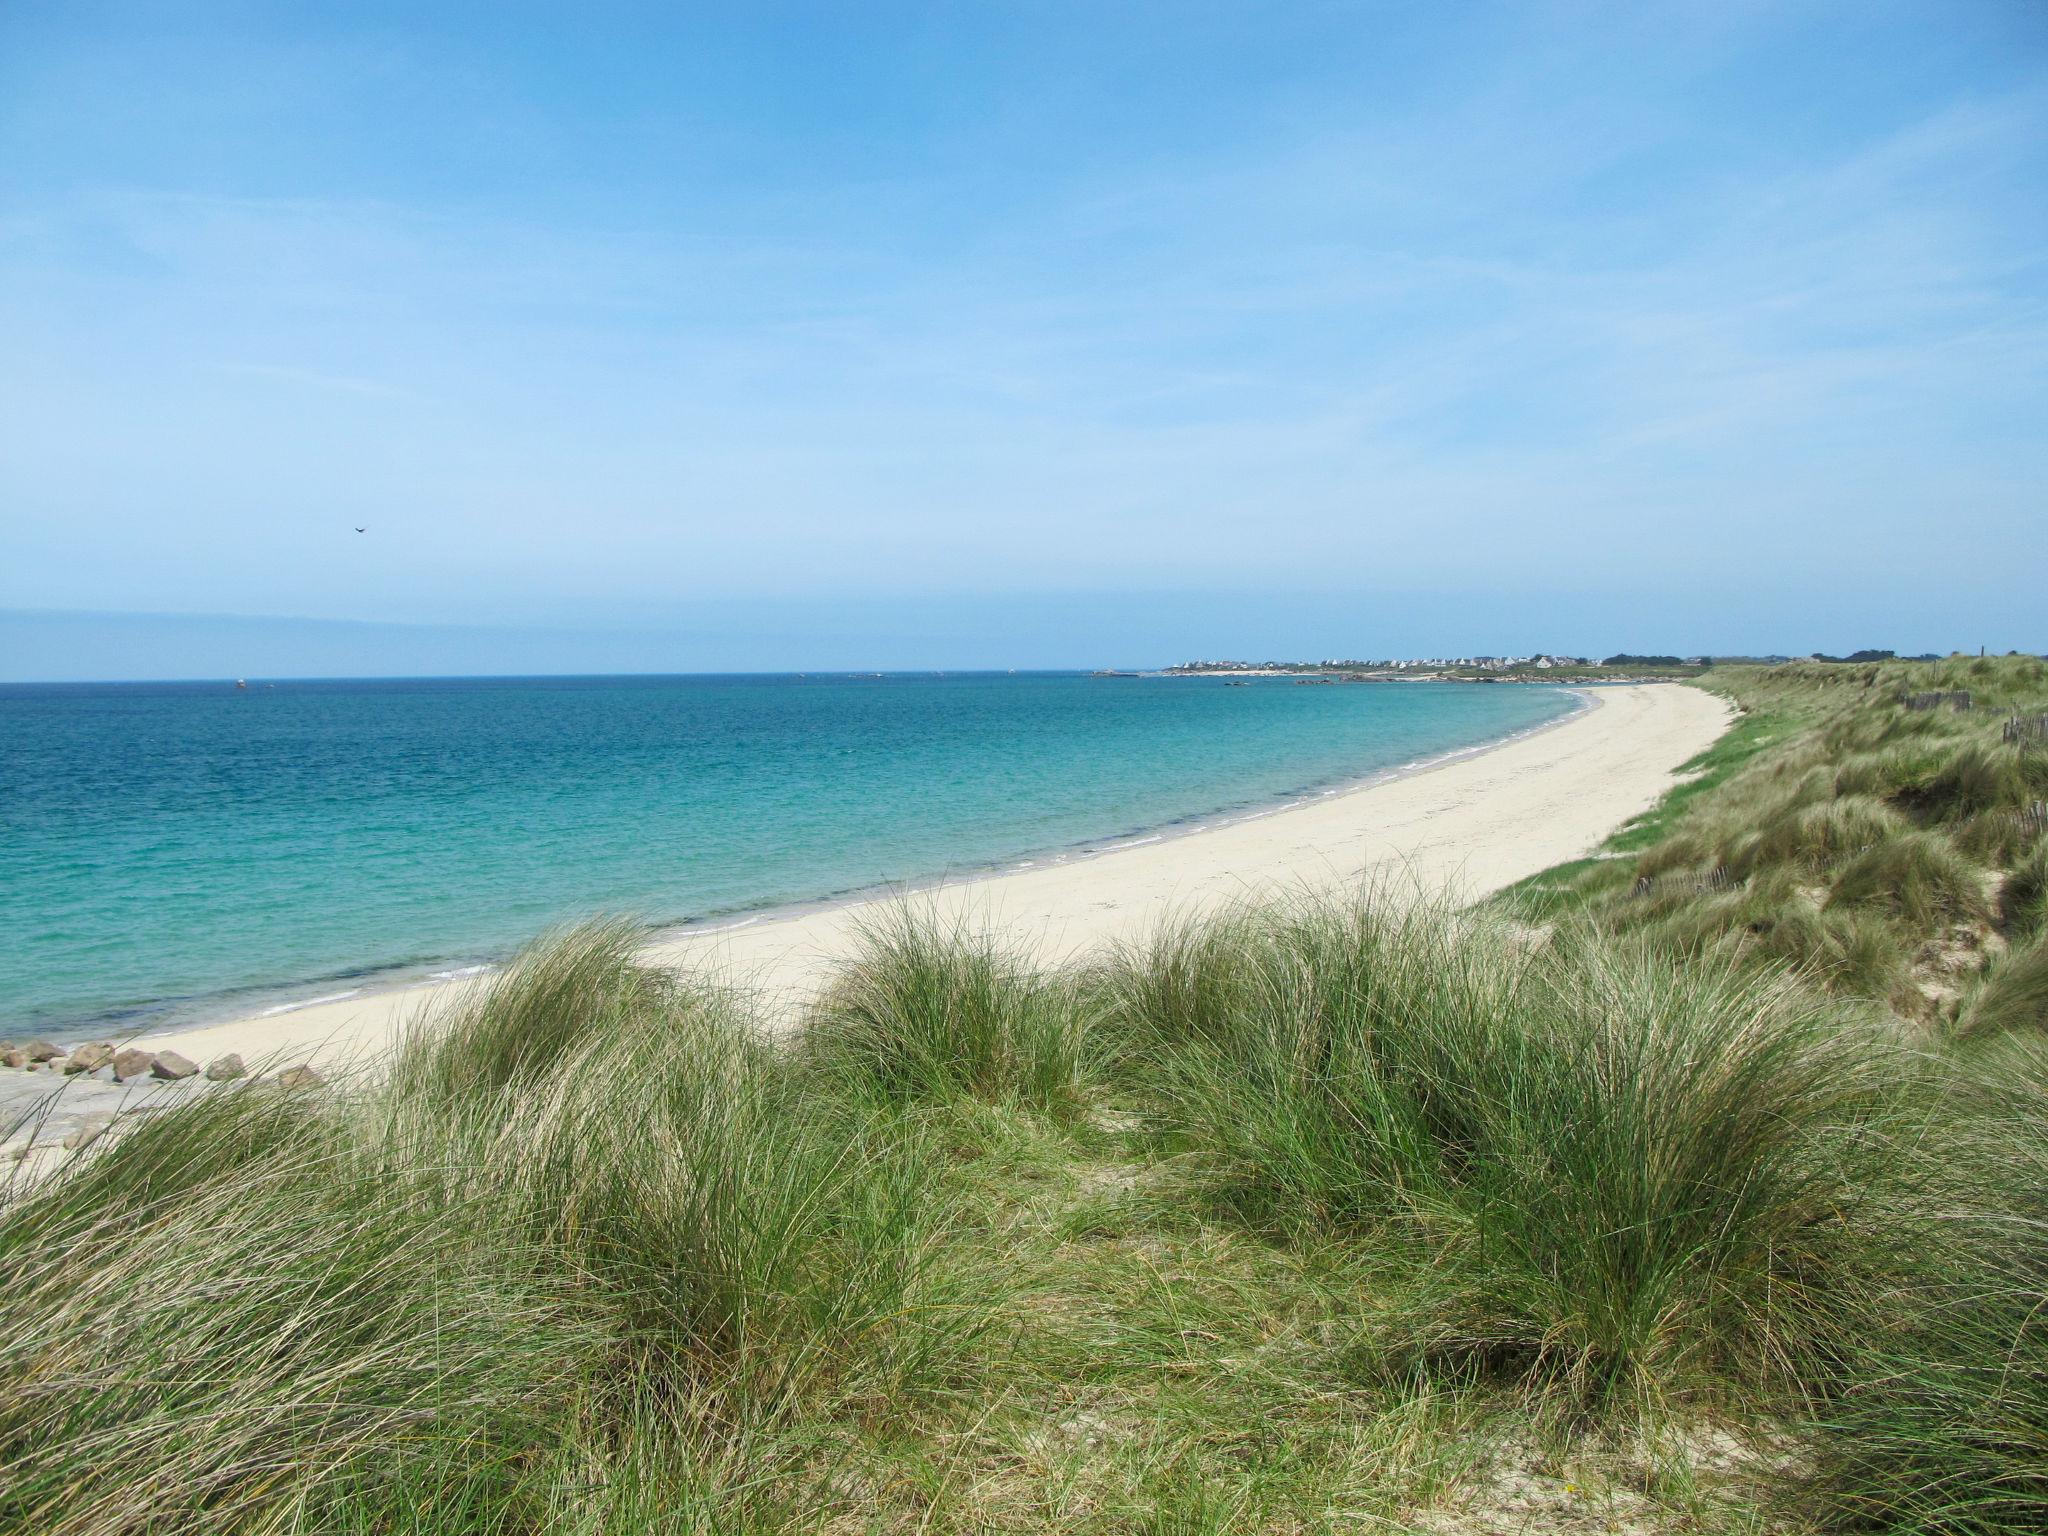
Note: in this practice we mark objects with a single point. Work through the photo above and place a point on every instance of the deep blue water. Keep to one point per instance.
(172, 850)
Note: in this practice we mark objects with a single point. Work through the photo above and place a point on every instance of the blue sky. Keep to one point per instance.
(1019, 334)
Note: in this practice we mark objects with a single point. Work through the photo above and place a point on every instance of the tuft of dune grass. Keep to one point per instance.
(926, 1012)
(1932, 1416)
(1819, 834)
(239, 1317)
(1614, 1176)
(2023, 901)
(1916, 876)
(515, 1027)
(421, 1302)
(2013, 996)
(1985, 776)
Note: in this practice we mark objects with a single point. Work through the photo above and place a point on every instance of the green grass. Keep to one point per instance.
(1345, 1212)
(1605, 1178)
(1936, 1417)
(2023, 901)
(2013, 997)
(925, 1014)
(1916, 877)
(1741, 742)
(266, 1337)
(1815, 837)
(438, 1300)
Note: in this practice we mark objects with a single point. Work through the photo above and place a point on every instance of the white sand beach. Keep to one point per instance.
(1475, 823)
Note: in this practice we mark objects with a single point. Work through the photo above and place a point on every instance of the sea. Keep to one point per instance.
(176, 852)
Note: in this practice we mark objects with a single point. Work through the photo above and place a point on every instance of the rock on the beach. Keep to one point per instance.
(298, 1077)
(43, 1050)
(90, 1130)
(89, 1058)
(13, 1056)
(172, 1067)
(133, 1063)
(225, 1067)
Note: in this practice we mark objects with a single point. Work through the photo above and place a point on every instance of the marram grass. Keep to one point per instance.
(1610, 1176)
(925, 1012)
(1933, 1417)
(1887, 853)
(426, 1301)
(1360, 1214)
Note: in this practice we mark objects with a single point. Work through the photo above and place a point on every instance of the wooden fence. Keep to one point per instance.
(2026, 729)
(1715, 879)
(1958, 698)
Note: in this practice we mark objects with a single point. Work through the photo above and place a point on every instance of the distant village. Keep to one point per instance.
(1460, 667)
(1422, 663)
(1540, 665)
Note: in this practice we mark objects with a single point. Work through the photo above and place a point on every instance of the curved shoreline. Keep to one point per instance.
(1479, 820)
(165, 1016)
(1194, 825)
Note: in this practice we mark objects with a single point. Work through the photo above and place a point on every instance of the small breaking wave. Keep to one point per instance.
(310, 1002)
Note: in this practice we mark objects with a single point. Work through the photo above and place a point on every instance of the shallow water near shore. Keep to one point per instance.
(177, 851)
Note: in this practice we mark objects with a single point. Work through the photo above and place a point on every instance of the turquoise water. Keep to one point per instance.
(170, 851)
